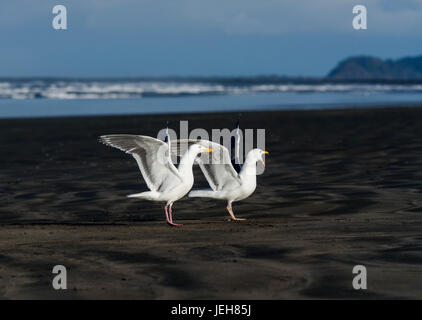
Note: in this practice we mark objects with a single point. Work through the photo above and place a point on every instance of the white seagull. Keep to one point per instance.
(225, 182)
(166, 182)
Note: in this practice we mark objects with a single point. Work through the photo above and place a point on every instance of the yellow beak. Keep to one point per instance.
(208, 150)
(263, 163)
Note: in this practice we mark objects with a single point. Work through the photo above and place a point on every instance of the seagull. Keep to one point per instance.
(225, 182)
(165, 182)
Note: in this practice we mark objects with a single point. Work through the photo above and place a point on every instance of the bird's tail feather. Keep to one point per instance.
(205, 194)
(148, 195)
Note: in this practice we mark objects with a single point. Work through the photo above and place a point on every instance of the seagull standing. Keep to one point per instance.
(165, 182)
(225, 182)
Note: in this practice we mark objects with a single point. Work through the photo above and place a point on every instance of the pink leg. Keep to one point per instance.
(171, 218)
(167, 215)
(230, 210)
(170, 214)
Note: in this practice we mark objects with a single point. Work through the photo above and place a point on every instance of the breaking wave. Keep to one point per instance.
(122, 89)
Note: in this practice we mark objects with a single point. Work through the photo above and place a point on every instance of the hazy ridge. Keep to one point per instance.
(366, 67)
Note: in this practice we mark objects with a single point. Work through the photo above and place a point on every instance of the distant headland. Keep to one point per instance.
(367, 68)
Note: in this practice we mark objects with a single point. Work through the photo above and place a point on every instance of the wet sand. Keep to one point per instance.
(341, 188)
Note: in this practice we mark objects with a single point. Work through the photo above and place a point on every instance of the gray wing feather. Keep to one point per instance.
(215, 166)
(151, 155)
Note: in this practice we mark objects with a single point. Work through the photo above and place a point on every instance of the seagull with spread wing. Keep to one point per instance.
(165, 182)
(225, 182)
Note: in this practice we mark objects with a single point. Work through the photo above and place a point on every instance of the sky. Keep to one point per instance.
(132, 38)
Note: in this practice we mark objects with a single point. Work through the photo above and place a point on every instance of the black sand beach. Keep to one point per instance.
(341, 188)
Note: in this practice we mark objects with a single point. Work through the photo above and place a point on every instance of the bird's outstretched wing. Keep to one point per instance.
(152, 156)
(215, 166)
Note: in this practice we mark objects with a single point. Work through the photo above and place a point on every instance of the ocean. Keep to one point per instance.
(61, 97)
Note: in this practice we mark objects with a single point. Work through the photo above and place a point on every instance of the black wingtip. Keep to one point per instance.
(166, 126)
(238, 120)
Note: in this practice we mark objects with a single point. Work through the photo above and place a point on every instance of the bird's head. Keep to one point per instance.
(197, 148)
(259, 155)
